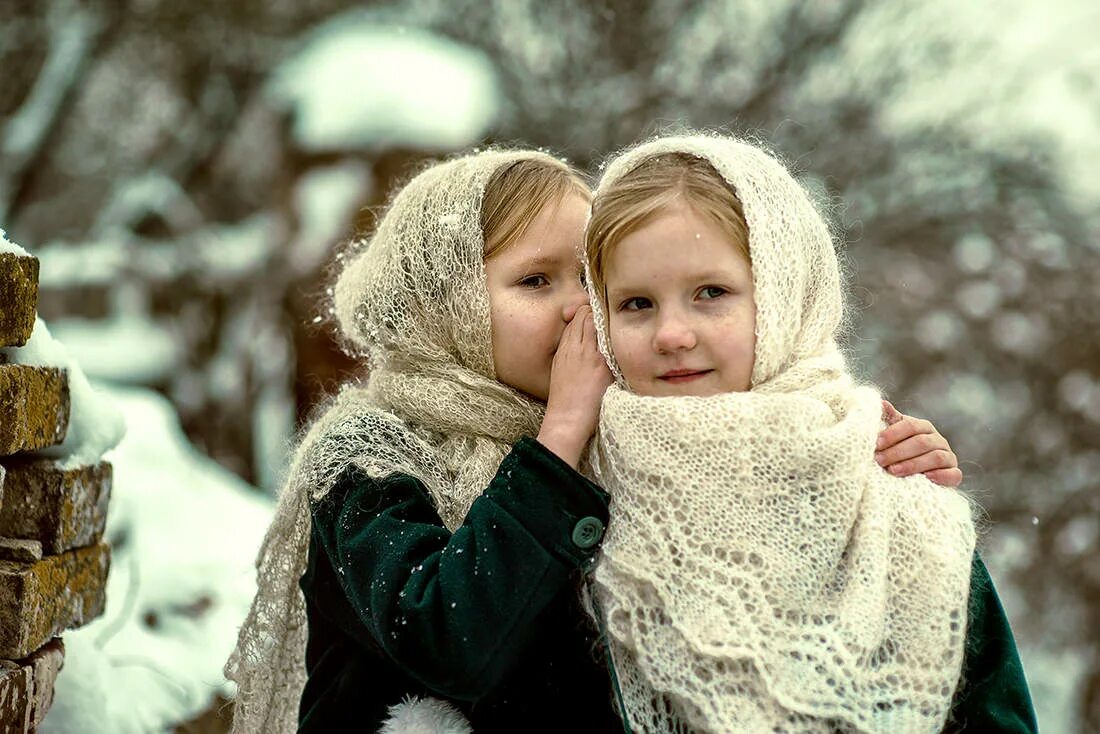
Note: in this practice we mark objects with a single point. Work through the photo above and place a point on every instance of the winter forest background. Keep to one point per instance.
(186, 171)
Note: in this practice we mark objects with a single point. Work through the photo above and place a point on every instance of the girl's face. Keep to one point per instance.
(682, 317)
(535, 287)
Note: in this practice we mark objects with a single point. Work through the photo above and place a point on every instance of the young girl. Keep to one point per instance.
(760, 572)
(422, 567)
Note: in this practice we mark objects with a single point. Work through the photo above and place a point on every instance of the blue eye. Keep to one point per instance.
(534, 281)
(635, 304)
(711, 292)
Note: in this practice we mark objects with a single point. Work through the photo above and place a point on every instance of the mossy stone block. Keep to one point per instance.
(26, 688)
(38, 600)
(16, 692)
(34, 407)
(19, 296)
(62, 508)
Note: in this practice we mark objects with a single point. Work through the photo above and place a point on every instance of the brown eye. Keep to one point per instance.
(635, 304)
(534, 281)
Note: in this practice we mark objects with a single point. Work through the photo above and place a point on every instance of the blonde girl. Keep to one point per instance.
(760, 573)
(421, 569)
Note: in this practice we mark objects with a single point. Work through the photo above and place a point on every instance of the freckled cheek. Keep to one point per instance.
(535, 328)
(510, 327)
(631, 349)
(737, 343)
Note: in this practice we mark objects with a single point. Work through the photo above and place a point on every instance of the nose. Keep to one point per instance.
(673, 334)
(573, 299)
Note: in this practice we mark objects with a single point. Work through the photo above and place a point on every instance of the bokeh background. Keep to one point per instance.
(186, 172)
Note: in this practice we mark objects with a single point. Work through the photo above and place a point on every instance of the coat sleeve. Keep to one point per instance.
(993, 695)
(454, 610)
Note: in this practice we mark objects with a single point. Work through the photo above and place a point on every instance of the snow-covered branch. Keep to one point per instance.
(73, 34)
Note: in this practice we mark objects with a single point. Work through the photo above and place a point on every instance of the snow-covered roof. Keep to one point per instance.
(356, 84)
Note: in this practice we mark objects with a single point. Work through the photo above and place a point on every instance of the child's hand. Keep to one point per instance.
(910, 446)
(578, 379)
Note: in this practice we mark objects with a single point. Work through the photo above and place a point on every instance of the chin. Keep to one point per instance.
(698, 389)
(694, 391)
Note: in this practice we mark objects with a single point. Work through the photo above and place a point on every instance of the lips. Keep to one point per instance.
(678, 376)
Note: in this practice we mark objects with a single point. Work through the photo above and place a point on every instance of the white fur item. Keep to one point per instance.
(425, 716)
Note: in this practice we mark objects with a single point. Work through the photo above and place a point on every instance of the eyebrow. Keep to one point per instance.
(715, 276)
(539, 260)
(614, 294)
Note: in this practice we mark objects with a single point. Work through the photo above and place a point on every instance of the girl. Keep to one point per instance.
(437, 544)
(760, 573)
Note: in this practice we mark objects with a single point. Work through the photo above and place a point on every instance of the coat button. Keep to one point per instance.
(587, 532)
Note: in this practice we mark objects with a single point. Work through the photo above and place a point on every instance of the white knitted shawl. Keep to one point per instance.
(415, 301)
(760, 572)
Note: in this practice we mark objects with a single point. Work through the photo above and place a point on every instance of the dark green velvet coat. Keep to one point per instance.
(489, 618)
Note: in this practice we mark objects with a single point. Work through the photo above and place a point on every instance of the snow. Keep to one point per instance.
(939, 330)
(224, 253)
(975, 253)
(240, 250)
(184, 532)
(1055, 669)
(357, 84)
(274, 413)
(71, 40)
(1023, 335)
(1078, 536)
(8, 246)
(1077, 390)
(979, 299)
(273, 430)
(94, 263)
(972, 395)
(129, 348)
(1011, 276)
(1057, 680)
(95, 426)
(326, 199)
(1049, 249)
(150, 192)
(969, 399)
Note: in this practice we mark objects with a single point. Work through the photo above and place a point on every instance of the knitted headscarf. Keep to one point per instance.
(415, 300)
(760, 572)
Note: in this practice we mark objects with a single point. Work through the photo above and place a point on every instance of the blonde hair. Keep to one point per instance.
(518, 192)
(649, 189)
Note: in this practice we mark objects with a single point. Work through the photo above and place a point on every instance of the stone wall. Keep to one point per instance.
(53, 565)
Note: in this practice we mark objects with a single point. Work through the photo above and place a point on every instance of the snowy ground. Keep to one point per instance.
(184, 533)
